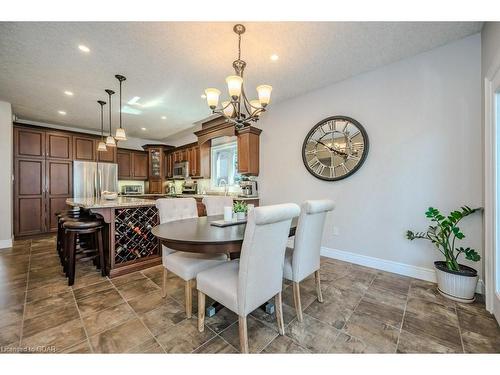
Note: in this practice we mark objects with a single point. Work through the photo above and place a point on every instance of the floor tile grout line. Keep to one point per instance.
(137, 316)
(25, 297)
(459, 328)
(81, 321)
(404, 313)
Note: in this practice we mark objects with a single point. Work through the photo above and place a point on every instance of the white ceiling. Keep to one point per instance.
(172, 63)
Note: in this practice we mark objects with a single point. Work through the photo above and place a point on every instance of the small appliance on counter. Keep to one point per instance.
(248, 188)
(181, 170)
(132, 189)
(170, 190)
(189, 187)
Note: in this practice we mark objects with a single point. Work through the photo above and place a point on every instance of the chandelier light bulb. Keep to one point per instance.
(120, 134)
(255, 107)
(110, 141)
(234, 86)
(264, 92)
(228, 108)
(212, 97)
(102, 146)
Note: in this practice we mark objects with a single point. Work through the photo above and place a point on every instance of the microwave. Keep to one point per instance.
(181, 169)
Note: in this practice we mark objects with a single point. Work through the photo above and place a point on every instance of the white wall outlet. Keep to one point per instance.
(335, 230)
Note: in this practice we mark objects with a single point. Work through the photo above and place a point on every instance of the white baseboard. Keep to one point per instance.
(421, 273)
(5, 243)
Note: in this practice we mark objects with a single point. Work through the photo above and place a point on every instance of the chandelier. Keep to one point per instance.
(239, 109)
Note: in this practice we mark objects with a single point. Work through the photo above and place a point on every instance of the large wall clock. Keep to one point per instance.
(335, 148)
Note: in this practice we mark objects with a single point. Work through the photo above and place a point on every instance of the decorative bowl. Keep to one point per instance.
(109, 195)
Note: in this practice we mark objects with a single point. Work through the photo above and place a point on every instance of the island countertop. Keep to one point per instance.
(92, 203)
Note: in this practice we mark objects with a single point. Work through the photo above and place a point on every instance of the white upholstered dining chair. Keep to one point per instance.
(242, 285)
(304, 258)
(215, 204)
(184, 264)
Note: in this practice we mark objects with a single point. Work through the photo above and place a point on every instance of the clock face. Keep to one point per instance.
(335, 148)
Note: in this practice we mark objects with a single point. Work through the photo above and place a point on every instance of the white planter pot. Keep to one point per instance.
(240, 215)
(457, 286)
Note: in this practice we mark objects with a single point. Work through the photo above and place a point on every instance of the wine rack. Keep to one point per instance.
(133, 238)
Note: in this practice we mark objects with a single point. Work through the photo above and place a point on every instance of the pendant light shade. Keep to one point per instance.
(120, 135)
(110, 141)
(101, 145)
(120, 132)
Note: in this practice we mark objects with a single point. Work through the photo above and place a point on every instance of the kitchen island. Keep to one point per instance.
(129, 245)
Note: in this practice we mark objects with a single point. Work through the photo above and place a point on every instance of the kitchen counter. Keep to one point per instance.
(196, 196)
(121, 201)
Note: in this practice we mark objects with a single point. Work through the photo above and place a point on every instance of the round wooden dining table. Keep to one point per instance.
(198, 235)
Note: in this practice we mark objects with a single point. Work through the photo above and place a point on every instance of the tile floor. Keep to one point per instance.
(365, 311)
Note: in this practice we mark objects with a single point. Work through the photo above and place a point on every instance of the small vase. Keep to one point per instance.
(240, 216)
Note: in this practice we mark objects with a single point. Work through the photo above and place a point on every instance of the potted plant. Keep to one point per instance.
(240, 209)
(455, 281)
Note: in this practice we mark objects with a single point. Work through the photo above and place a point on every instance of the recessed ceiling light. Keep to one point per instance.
(274, 57)
(62, 112)
(83, 48)
(203, 96)
(69, 93)
(163, 117)
(143, 129)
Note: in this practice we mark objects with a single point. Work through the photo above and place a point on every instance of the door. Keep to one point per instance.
(29, 197)
(59, 181)
(124, 160)
(58, 146)
(492, 194)
(140, 165)
(84, 148)
(29, 143)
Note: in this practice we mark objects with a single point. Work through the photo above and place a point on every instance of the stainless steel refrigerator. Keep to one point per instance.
(90, 178)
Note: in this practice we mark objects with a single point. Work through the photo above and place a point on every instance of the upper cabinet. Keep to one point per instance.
(29, 143)
(132, 165)
(84, 148)
(248, 151)
(108, 156)
(59, 145)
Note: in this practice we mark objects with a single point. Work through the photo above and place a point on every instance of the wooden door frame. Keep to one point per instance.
(491, 187)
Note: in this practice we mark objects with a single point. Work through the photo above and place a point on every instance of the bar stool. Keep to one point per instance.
(62, 216)
(73, 228)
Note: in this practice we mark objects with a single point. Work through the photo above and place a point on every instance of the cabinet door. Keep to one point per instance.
(84, 148)
(29, 197)
(248, 154)
(155, 187)
(195, 160)
(169, 165)
(59, 145)
(124, 160)
(108, 156)
(59, 182)
(29, 143)
(140, 165)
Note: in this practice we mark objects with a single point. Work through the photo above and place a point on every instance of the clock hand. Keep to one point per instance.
(333, 150)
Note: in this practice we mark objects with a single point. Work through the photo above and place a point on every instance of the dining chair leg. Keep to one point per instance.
(296, 300)
(279, 313)
(189, 299)
(317, 276)
(164, 283)
(242, 324)
(201, 311)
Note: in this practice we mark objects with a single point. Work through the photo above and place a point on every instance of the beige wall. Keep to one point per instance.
(423, 118)
(5, 175)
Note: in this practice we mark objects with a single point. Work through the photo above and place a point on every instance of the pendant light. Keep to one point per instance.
(102, 146)
(120, 132)
(110, 141)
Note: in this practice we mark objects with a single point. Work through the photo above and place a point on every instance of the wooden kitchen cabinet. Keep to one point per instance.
(84, 148)
(29, 143)
(59, 145)
(169, 164)
(59, 187)
(132, 165)
(108, 156)
(156, 167)
(248, 151)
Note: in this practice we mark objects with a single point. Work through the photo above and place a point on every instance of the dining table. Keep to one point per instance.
(199, 235)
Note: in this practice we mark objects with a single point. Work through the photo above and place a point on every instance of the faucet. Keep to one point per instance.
(225, 185)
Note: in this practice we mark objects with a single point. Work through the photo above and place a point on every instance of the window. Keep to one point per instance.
(224, 163)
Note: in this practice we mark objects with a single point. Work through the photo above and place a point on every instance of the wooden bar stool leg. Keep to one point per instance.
(100, 247)
(71, 258)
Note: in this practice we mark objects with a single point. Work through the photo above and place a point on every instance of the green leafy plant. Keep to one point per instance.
(443, 234)
(240, 206)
